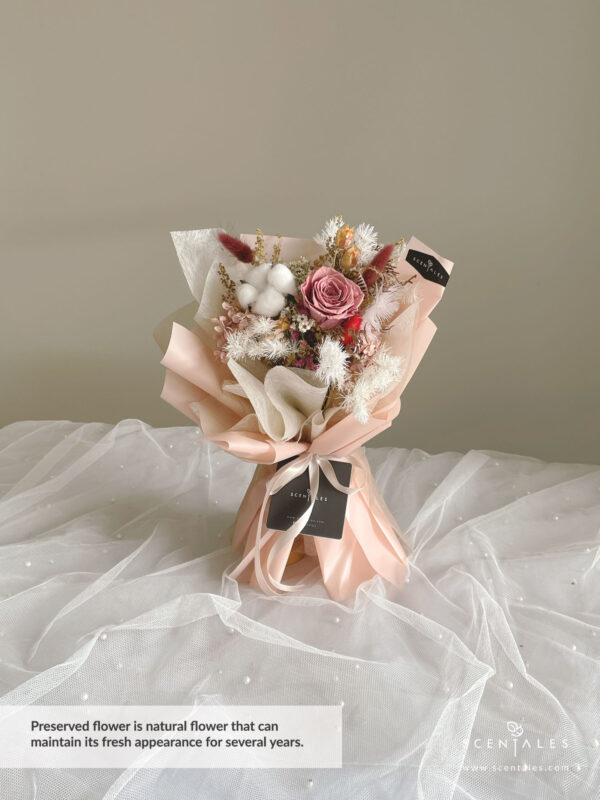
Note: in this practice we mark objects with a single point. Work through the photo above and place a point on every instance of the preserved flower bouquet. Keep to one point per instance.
(297, 355)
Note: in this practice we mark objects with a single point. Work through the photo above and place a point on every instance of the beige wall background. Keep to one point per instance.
(472, 125)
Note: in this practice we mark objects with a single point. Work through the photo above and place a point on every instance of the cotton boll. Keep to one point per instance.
(268, 303)
(281, 278)
(246, 294)
(257, 277)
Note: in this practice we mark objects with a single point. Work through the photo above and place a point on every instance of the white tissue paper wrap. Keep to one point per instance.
(287, 401)
(123, 531)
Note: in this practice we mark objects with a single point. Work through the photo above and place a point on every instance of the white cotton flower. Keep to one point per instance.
(281, 278)
(366, 239)
(332, 363)
(265, 288)
(269, 302)
(257, 276)
(376, 380)
(329, 231)
(246, 294)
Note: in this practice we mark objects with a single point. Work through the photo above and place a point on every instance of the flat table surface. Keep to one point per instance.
(479, 679)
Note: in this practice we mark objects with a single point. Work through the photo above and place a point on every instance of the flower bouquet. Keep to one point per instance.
(297, 355)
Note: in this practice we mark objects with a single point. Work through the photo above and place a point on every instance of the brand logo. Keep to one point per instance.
(519, 742)
(428, 266)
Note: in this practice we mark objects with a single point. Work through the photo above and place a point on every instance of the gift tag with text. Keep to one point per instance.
(329, 512)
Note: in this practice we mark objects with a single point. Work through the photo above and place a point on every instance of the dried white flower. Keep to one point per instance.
(385, 304)
(332, 363)
(329, 231)
(374, 381)
(237, 343)
(249, 343)
(304, 323)
(408, 294)
(273, 348)
(262, 326)
(366, 239)
(397, 252)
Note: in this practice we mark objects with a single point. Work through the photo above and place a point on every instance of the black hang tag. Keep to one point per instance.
(428, 266)
(329, 512)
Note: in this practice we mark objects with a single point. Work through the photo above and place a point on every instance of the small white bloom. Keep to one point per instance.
(329, 231)
(304, 323)
(262, 326)
(376, 380)
(332, 363)
(237, 344)
(366, 239)
(275, 348)
(397, 252)
(253, 349)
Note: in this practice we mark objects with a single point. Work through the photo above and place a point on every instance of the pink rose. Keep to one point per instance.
(329, 297)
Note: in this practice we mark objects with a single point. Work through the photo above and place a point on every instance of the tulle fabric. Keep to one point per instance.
(114, 546)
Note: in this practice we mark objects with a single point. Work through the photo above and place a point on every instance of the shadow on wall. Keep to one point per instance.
(84, 389)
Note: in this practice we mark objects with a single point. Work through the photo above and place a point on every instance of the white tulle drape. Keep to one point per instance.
(113, 545)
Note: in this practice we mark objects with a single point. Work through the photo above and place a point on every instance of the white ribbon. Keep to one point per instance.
(313, 462)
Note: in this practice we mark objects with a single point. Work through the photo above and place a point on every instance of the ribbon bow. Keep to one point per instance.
(314, 463)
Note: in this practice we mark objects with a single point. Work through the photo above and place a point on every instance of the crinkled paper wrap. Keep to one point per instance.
(217, 397)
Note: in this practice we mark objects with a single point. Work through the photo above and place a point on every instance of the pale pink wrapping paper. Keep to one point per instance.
(371, 541)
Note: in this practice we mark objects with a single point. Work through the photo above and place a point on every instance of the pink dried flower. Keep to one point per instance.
(232, 319)
(330, 297)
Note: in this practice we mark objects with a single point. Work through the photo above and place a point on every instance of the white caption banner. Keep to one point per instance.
(170, 736)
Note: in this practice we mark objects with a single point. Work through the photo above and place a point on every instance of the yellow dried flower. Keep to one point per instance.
(350, 258)
(344, 236)
(259, 248)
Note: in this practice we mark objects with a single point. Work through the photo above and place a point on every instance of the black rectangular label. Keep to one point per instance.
(428, 266)
(329, 512)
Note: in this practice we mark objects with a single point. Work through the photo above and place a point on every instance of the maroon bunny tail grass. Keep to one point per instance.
(378, 264)
(236, 247)
(381, 258)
